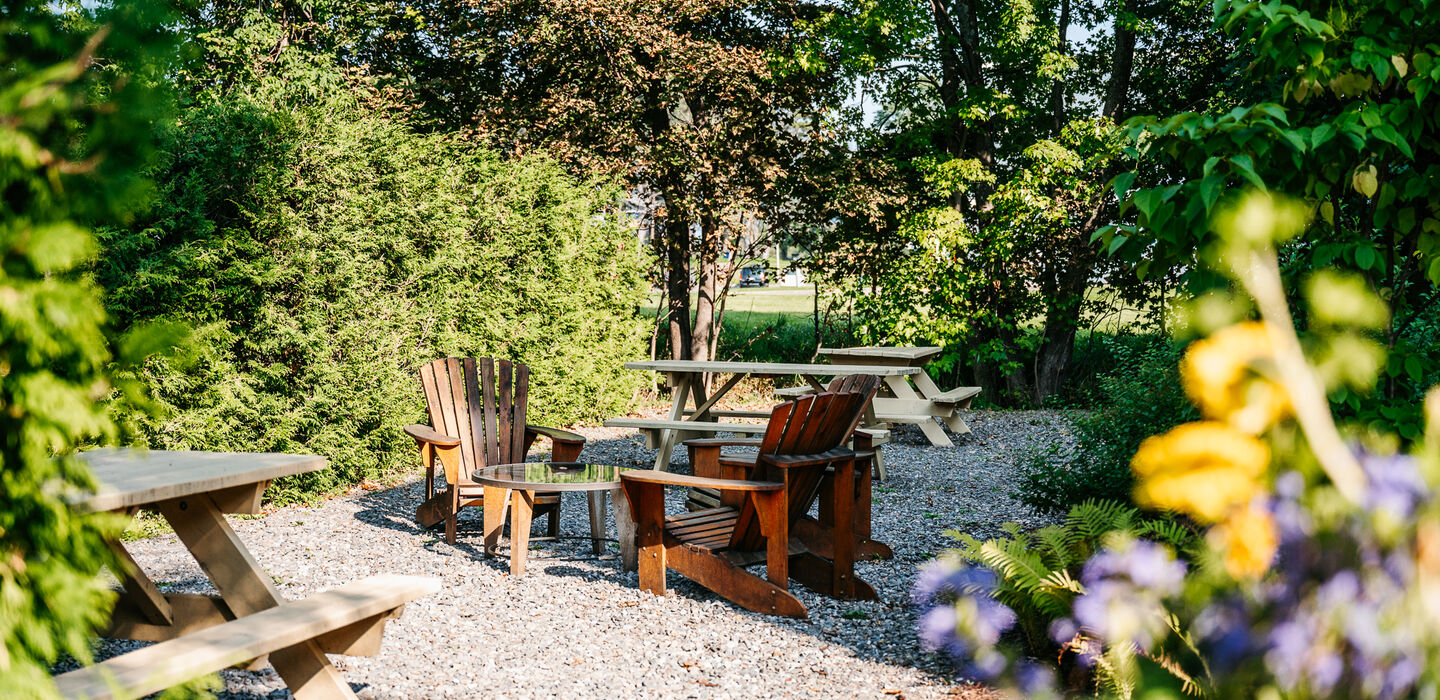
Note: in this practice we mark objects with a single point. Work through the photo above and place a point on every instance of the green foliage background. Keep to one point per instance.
(1138, 397)
(324, 250)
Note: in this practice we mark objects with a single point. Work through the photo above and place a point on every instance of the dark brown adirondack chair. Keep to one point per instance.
(711, 546)
(477, 409)
(708, 460)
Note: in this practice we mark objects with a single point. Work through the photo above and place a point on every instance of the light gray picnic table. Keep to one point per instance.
(194, 491)
(686, 382)
(898, 401)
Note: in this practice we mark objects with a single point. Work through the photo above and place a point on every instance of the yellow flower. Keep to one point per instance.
(1204, 469)
(1219, 375)
(1247, 541)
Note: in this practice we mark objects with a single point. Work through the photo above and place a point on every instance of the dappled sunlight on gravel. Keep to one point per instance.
(575, 626)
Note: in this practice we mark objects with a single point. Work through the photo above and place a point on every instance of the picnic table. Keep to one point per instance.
(898, 401)
(200, 634)
(686, 379)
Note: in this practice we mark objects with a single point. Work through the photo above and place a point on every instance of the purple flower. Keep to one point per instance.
(944, 579)
(963, 620)
(1124, 588)
(1395, 483)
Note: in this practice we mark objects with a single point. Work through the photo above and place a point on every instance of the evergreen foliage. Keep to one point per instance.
(74, 128)
(323, 251)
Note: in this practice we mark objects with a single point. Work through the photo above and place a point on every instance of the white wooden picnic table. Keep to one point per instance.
(686, 382)
(899, 402)
(249, 618)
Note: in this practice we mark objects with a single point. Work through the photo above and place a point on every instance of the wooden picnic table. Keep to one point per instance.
(194, 491)
(686, 379)
(903, 404)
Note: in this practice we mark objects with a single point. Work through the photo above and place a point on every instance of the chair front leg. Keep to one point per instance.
(771, 507)
(565, 451)
(843, 498)
(647, 506)
(427, 458)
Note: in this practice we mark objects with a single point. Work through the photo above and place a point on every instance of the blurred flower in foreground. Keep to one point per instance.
(1124, 590)
(963, 619)
(1219, 373)
(1395, 483)
(1247, 541)
(1203, 469)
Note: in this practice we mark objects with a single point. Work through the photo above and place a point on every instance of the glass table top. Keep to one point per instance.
(551, 476)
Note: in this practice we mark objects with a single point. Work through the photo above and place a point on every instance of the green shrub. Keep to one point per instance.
(324, 251)
(1140, 397)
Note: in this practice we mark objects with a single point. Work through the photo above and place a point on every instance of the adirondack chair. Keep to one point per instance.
(708, 460)
(477, 410)
(803, 440)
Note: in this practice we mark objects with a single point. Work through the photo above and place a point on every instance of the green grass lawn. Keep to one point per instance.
(754, 308)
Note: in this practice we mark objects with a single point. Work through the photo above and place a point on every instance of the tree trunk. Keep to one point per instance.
(1062, 320)
(706, 274)
(677, 282)
(1121, 62)
(1057, 89)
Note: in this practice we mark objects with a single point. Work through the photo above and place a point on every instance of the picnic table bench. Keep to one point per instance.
(200, 634)
(685, 378)
(899, 401)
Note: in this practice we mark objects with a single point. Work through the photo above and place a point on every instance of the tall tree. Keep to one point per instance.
(707, 103)
(1004, 118)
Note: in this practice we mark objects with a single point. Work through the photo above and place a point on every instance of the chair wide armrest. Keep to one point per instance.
(425, 433)
(646, 476)
(556, 434)
(723, 442)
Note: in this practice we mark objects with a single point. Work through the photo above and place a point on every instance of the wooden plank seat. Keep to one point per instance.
(347, 620)
(477, 419)
(800, 458)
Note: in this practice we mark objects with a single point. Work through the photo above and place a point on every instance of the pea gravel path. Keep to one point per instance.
(575, 626)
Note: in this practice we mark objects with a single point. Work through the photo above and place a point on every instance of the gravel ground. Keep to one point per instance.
(577, 626)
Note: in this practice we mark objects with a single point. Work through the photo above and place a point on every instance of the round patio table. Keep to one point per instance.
(514, 486)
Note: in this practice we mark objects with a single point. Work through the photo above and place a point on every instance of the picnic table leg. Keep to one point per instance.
(246, 589)
(930, 390)
(902, 390)
(494, 512)
(625, 531)
(681, 383)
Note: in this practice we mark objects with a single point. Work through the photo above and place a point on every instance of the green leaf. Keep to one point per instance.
(1364, 257)
(1122, 183)
(1210, 189)
(1246, 166)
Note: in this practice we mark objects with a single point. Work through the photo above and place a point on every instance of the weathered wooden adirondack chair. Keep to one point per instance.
(708, 460)
(711, 546)
(477, 409)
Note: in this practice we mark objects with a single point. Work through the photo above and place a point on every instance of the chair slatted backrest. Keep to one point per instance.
(810, 425)
(481, 402)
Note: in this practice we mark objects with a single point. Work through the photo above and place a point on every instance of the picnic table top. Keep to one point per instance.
(906, 353)
(779, 369)
(135, 478)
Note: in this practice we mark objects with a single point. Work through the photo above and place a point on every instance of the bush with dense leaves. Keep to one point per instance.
(324, 251)
(1139, 398)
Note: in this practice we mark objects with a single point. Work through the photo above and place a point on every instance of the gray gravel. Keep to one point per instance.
(577, 626)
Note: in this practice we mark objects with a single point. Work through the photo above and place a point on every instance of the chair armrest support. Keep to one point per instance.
(646, 476)
(839, 454)
(723, 442)
(426, 434)
(556, 434)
